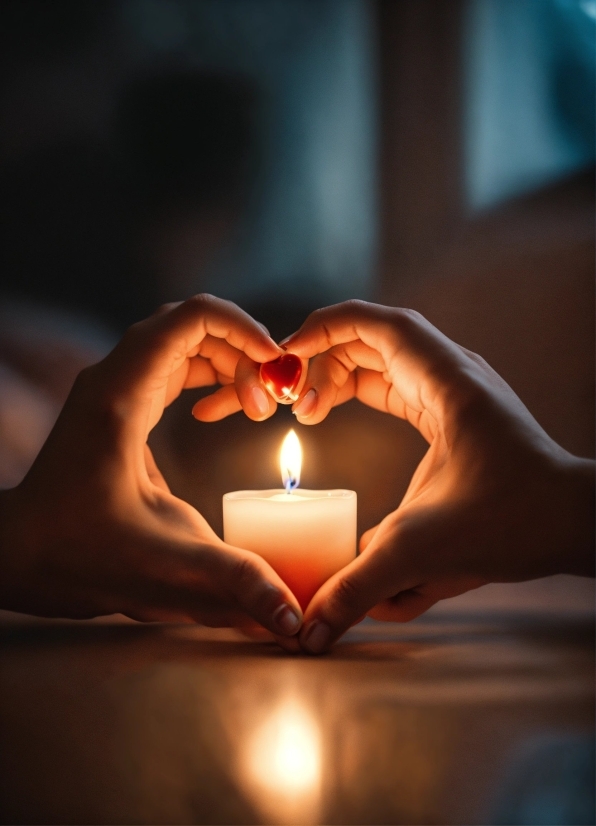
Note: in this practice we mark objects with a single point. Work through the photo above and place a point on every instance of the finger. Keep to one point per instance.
(403, 607)
(332, 379)
(255, 632)
(201, 373)
(138, 369)
(224, 402)
(409, 604)
(193, 372)
(377, 391)
(220, 354)
(255, 401)
(421, 363)
(253, 586)
(211, 362)
(212, 583)
(370, 579)
(366, 538)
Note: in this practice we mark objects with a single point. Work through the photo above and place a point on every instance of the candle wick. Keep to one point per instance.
(291, 483)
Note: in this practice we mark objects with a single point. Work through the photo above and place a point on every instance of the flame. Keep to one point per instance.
(285, 755)
(290, 461)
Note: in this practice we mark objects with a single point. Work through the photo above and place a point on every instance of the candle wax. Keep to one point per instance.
(306, 536)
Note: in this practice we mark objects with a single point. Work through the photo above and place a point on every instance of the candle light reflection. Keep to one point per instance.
(284, 763)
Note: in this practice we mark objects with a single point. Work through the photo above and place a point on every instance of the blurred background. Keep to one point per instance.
(288, 155)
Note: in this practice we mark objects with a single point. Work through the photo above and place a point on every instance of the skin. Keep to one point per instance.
(494, 499)
(93, 529)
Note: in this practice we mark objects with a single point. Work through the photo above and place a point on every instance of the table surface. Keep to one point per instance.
(430, 722)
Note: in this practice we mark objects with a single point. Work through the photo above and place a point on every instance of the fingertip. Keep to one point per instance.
(315, 637)
(199, 412)
(257, 404)
(305, 407)
(287, 620)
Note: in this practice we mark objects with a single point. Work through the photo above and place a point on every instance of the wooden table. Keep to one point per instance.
(429, 722)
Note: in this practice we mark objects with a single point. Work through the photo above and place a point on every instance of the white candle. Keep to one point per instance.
(305, 535)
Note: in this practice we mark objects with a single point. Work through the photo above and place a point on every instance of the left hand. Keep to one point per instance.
(93, 528)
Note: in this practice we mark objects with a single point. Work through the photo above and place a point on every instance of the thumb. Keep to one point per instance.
(371, 578)
(252, 585)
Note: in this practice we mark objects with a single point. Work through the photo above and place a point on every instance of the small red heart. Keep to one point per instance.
(281, 377)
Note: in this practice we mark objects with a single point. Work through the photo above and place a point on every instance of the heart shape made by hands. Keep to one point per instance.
(282, 377)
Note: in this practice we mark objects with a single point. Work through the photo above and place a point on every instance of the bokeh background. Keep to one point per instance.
(288, 155)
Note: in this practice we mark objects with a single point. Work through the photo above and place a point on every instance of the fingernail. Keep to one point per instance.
(317, 637)
(260, 400)
(306, 405)
(286, 619)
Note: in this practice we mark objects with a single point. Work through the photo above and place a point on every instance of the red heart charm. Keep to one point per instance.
(282, 377)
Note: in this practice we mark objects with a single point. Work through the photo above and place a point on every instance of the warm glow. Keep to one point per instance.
(285, 755)
(290, 461)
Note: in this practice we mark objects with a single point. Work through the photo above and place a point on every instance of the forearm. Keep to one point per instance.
(579, 518)
(13, 554)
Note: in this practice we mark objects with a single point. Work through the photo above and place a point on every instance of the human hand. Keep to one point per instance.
(284, 379)
(93, 528)
(494, 498)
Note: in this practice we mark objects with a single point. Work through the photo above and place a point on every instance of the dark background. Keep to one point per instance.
(288, 155)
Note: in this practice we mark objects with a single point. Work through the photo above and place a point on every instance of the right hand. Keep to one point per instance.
(494, 499)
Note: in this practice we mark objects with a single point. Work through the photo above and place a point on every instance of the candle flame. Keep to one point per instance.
(290, 461)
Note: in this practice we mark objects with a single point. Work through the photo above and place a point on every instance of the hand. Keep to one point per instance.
(93, 528)
(248, 394)
(494, 499)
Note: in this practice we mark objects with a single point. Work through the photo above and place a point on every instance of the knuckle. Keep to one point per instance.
(465, 398)
(405, 538)
(91, 386)
(134, 336)
(408, 318)
(478, 360)
(246, 573)
(135, 329)
(347, 595)
(166, 308)
(203, 300)
(340, 359)
(85, 379)
(316, 315)
(356, 305)
(159, 341)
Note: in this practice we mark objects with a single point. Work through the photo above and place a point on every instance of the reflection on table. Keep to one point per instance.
(467, 715)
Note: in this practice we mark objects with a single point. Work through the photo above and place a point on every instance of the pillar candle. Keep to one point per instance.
(305, 535)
